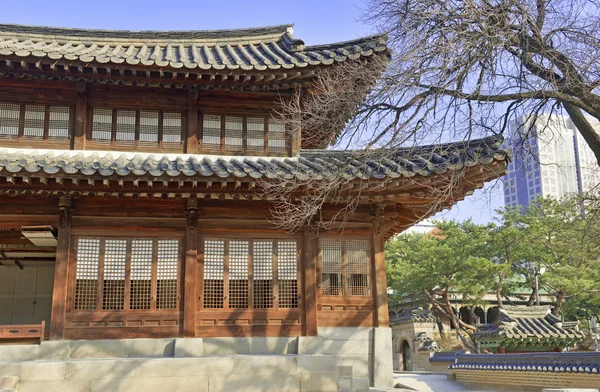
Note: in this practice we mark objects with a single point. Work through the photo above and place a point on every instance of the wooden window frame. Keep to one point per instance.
(127, 289)
(23, 142)
(275, 280)
(345, 291)
(222, 150)
(137, 145)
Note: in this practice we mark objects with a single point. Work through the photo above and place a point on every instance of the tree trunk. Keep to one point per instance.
(560, 299)
(499, 290)
(589, 134)
(532, 297)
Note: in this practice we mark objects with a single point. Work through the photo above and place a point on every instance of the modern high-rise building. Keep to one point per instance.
(550, 158)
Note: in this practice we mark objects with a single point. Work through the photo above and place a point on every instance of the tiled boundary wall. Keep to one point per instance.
(528, 372)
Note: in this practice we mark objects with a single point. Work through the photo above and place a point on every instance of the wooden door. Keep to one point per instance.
(43, 294)
(26, 294)
(7, 290)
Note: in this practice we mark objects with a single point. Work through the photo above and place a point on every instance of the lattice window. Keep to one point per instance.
(345, 267)
(262, 258)
(211, 132)
(331, 268)
(34, 123)
(102, 126)
(58, 124)
(33, 127)
(149, 121)
(171, 127)
(86, 277)
(255, 134)
(233, 133)
(287, 274)
(167, 266)
(276, 136)
(357, 267)
(214, 273)
(113, 283)
(141, 274)
(125, 133)
(146, 269)
(239, 253)
(9, 121)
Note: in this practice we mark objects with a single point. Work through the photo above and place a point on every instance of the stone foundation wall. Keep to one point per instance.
(528, 381)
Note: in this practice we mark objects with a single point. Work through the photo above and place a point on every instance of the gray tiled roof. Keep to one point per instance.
(246, 49)
(519, 322)
(318, 164)
(413, 315)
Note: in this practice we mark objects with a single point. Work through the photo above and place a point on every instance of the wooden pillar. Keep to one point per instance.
(61, 270)
(295, 137)
(190, 269)
(380, 315)
(191, 143)
(309, 261)
(79, 133)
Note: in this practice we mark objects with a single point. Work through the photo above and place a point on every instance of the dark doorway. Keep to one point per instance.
(406, 361)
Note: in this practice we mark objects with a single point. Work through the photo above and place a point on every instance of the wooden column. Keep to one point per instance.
(191, 143)
(190, 269)
(378, 276)
(309, 261)
(79, 133)
(61, 270)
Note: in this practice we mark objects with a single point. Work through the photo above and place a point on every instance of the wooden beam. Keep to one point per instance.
(379, 284)
(79, 131)
(190, 269)
(310, 282)
(191, 144)
(61, 270)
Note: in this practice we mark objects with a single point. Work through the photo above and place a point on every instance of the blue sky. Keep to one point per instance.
(315, 22)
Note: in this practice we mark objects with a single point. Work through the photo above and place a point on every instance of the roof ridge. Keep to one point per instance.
(383, 36)
(105, 33)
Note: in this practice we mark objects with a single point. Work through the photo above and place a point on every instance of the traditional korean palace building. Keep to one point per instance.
(131, 169)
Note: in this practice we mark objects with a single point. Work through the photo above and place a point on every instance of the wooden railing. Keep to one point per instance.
(23, 331)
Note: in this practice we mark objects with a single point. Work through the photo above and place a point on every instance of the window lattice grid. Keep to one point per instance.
(86, 274)
(239, 253)
(149, 128)
(167, 273)
(34, 122)
(214, 266)
(287, 274)
(113, 283)
(9, 121)
(357, 267)
(102, 126)
(255, 130)
(262, 258)
(142, 252)
(276, 136)
(233, 133)
(171, 128)
(211, 132)
(58, 123)
(125, 133)
(331, 273)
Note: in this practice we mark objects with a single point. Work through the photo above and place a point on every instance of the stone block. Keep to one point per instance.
(226, 346)
(265, 365)
(265, 345)
(55, 350)
(9, 382)
(341, 347)
(34, 370)
(100, 368)
(151, 384)
(568, 390)
(150, 348)
(260, 383)
(317, 364)
(382, 358)
(360, 385)
(188, 347)
(360, 364)
(310, 345)
(18, 352)
(345, 371)
(346, 333)
(179, 367)
(56, 386)
(324, 382)
(345, 383)
(99, 349)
